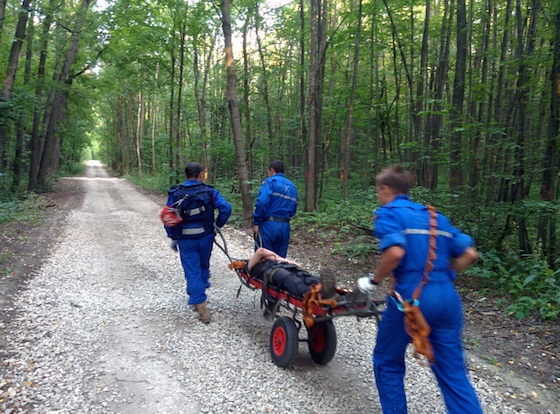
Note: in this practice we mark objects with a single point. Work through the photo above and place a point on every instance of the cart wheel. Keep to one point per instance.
(322, 341)
(284, 342)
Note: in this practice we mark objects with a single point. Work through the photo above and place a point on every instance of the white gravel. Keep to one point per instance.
(105, 328)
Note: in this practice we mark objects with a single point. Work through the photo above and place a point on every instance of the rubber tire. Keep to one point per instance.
(322, 341)
(284, 342)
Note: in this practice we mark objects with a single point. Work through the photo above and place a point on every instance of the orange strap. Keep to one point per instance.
(431, 253)
(310, 300)
(432, 245)
(238, 264)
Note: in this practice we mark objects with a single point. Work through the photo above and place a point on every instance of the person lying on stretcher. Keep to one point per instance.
(287, 275)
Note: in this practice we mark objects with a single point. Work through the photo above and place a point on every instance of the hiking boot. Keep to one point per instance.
(328, 283)
(203, 312)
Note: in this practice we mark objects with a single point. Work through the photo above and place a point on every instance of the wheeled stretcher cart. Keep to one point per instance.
(312, 311)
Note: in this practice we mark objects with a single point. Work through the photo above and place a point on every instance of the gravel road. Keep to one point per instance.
(104, 327)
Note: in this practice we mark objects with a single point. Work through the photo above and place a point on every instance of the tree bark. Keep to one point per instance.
(456, 178)
(523, 54)
(271, 140)
(2, 17)
(36, 138)
(235, 118)
(154, 114)
(60, 96)
(547, 222)
(140, 130)
(311, 173)
(20, 141)
(350, 119)
(246, 98)
(11, 70)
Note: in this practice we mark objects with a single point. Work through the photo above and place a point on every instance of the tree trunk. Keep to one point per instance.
(20, 141)
(60, 97)
(273, 145)
(311, 173)
(349, 122)
(173, 178)
(456, 176)
(200, 96)
(179, 129)
(140, 130)
(11, 70)
(2, 17)
(523, 54)
(547, 220)
(154, 113)
(235, 117)
(482, 107)
(422, 178)
(493, 156)
(302, 104)
(246, 98)
(36, 141)
(435, 120)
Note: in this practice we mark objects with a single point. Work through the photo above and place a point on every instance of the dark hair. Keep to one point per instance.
(192, 170)
(395, 177)
(277, 166)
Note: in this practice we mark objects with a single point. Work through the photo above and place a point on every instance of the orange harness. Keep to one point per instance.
(415, 324)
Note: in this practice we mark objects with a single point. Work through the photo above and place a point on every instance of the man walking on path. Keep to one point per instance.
(194, 235)
(423, 252)
(276, 205)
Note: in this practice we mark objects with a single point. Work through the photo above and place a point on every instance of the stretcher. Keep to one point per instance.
(312, 311)
(316, 315)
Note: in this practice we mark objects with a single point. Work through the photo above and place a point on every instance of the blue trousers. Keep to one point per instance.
(275, 236)
(442, 309)
(195, 258)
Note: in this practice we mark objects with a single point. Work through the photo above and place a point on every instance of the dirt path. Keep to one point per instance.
(132, 343)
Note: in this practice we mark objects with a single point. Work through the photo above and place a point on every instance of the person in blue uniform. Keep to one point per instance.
(276, 205)
(402, 228)
(193, 237)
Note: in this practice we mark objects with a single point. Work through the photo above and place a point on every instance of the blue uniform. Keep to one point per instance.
(276, 205)
(406, 224)
(195, 238)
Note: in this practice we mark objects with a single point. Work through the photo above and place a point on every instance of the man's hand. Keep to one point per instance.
(255, 229)
(366, 284)
(217, 230)
(173, 245)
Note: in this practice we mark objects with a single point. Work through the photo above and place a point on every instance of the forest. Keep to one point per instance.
(463, 93)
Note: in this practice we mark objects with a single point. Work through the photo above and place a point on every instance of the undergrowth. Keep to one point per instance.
(529, 280)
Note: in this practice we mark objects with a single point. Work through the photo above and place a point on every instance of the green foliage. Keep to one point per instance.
(528, 279)
(158, 182)
(347, 225)
(28, 208)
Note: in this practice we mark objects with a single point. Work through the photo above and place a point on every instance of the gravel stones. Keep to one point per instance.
(104, 327)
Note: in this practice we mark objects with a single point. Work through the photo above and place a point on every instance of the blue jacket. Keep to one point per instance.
(406, 224)
(199, 226)
(277, 197)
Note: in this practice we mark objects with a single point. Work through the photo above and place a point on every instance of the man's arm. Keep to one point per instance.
(261, 205)
(465, 260)
(264, 254)
(390, 259)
